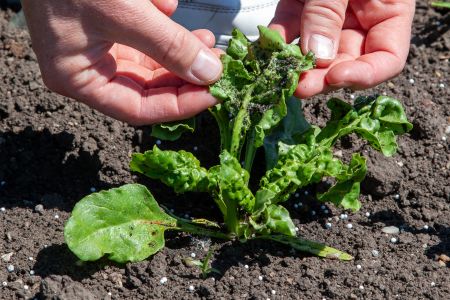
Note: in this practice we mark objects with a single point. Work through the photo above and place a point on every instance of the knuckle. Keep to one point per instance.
(175, 46)
(331, 10)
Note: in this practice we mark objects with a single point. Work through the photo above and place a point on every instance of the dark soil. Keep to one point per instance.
(53, 151)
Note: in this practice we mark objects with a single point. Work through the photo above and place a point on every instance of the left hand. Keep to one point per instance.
(358, 43)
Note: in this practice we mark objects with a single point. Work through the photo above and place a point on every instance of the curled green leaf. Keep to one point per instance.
(172, 131)
(177, 169)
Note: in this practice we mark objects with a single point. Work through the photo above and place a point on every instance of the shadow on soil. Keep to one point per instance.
(42, 167)
(437, 28)
(59, 260)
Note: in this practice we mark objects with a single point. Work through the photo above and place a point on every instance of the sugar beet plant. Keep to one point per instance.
(256, 110)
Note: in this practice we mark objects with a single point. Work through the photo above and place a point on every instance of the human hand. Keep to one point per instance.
(358, 43)
(126, 59)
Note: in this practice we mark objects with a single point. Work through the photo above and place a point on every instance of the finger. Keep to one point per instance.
(321, 26)
(287, 19)
(145, 28)
(386, 47)
(167, 7)
(124, 52)
(314, 82)
(119, 96)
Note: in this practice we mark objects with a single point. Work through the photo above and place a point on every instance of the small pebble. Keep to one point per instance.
(39, 208)
(32, 272)
(195, 148)
(25, 287)
(186, 216)
(349, 226)
(300, 204)
(352, 96)
(425, 246)
(441, 85)
(2, 183)
(359, 267)
(400, 163)
(367, 214)
(296, 195)
(93, 189)
(328, 225)
(390, 230)
(393, 240)
(4, 283)
(375, 253)
(260, 278)
(433, 283)
(158, 142)
(447, 130)
(246, 267)
(323, 207)
(163, 280)
(2, 209)
(306, 193)
(295, 205)
(30, 258)
(10, 268)
(313, 212)
(109, 294)
(193, 255)
(7, 257)
(361, 287)
(273, 292)
(191, 288)
(56, 216)
(426, 227)
(297, 229)
(444, 138)
(411, 81)
(396, 196)
(326, 211)
(343, 216)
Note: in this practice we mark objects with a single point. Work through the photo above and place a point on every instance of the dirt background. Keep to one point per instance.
(54, 151)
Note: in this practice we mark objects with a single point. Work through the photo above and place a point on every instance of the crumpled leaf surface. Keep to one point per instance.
(177, 169)
(125, 223)
(257, 80)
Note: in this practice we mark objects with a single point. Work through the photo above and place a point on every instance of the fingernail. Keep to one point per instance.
(206, 67)
(322, 46)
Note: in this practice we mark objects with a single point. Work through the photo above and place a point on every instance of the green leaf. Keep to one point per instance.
(376, 119)
(257, 80)
(173, 131)
(232, 191)
(278, 220)
(238, 46)
(179, 170)
(289, 132)
(345, 192)
(125, 223)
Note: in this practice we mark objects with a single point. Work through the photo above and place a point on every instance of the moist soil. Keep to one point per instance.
(54, 151)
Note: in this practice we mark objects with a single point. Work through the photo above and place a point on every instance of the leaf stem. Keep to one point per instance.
(308, 246)
(238, 133)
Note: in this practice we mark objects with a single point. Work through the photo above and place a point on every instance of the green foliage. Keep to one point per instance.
(204, 265)
(173, 131)
(441, 4)
(124, 223)
(256, 109)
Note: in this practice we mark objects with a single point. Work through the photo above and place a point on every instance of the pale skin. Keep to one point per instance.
(127, 59)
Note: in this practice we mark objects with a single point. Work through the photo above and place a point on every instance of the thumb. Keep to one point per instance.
(144, 27)
(321, 26)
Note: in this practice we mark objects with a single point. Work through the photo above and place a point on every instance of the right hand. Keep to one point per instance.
(127, 59)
